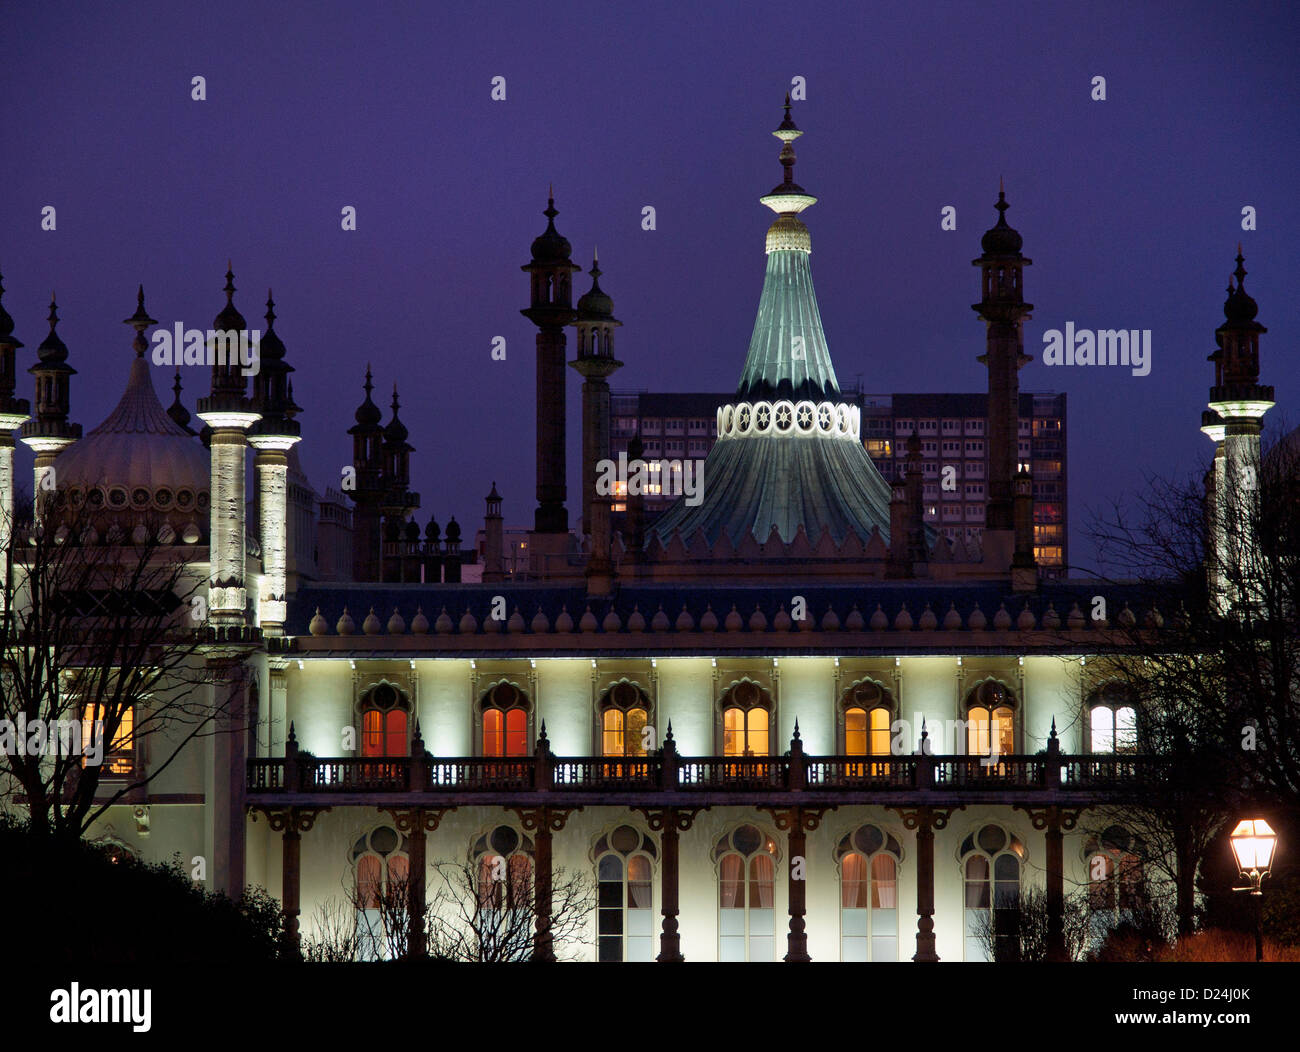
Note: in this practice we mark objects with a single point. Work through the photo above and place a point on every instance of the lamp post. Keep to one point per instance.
(1253, 843)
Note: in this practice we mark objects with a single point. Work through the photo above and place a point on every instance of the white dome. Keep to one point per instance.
(139, 457)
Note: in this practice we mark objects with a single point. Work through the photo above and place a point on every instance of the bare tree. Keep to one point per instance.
(1211, 659)
(1018, 932)
(476, 918)
(101, 654)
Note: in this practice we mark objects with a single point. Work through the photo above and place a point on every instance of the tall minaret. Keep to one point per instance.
(13, 413)
(273, 436)
(1003, 310)
(50, 431)
(368, 464)
(1237, 405)
(596, 324)
(550, 309)
(229, 412)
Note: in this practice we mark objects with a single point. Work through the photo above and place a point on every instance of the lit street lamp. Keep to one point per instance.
(1253, 843)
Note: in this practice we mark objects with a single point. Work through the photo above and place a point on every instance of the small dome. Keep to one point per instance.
(52, 350)
(550, 246)
(138, 445)
(1001, 239)
(395, 434)
(595, 303)
(1239, 306)
(229, 318)
(368, 414)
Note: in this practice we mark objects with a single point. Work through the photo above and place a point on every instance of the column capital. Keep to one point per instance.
(670, 819)
(544, 818)
(797, 818)
(288, 820)
(1051, 817)
(416, 819)
(926, 817)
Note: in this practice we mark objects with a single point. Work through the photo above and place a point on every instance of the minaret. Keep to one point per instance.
(550, 309)
(272, 437)
(1003, 310)
(367, 462)
(1237, 406)
(228, 411)
(177, 411)
(399, 503)
(50, 431)
(492, 539)
(595, 326)
(13, 414)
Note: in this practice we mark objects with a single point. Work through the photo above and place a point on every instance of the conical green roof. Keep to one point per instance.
(781, 465)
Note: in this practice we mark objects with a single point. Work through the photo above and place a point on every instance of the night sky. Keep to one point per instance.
(1130, 208)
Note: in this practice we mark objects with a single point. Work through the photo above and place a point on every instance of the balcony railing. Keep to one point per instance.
(667, 771)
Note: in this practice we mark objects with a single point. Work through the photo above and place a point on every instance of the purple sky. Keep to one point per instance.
(1130, 208)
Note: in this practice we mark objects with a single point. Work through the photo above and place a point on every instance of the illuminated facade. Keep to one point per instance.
(794, 720)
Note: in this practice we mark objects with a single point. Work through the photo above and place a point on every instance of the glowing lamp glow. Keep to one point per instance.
(1253, 843)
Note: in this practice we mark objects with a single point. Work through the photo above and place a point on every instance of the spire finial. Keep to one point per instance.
(368, 385)
(395, 402)
(270, 311)
(550, 211)
(229, 290)
(53, 319)
(1240, 272)
(140, 321)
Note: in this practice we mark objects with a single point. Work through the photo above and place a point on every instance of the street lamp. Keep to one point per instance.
(1253, 843)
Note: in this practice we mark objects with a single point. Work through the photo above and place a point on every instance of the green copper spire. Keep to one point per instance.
(788, 356)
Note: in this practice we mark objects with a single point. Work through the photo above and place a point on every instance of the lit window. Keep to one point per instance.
(503, 918)
(119, 757)
(625, 896)
(868, 860)
(1116, 882)
(990, 720)
(624, 714)
(991, 862)
(1112, 720)
(746, 719)
(505, 721)
(746, 860)
(384, 719)
(381, 866)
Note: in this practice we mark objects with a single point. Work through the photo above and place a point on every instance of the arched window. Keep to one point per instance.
(991, 860)
(746, 859)
(385, 717)
(867, 710)
(625, 896)
(624, 713)
(505, 710)
(1116, 885)
(381, 868)
(868, 859)
(503, 918)
(1112, 720)
(746, 720)
(990, 719)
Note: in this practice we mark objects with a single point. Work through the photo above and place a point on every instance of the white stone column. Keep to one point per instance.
(227, 591)
(9, 422)
(272, 467)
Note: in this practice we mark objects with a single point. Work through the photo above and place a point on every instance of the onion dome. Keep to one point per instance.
(550, 246)
(139, 460)
(229, 318)
(368, 414)
(595, 305)
(395, 434)
(431, 532)
(52, 351)
(1001, 239)
(453, 533)
(1239, 307)
(6, 322)
(177, 410)
(272, 388)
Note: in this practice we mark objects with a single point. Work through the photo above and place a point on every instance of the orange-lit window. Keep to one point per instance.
(868, 709)
(383, 733)
(623, 720)
(119, 756)
(746, 718)
(744, 732)
(505, 721)
(990, 720)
